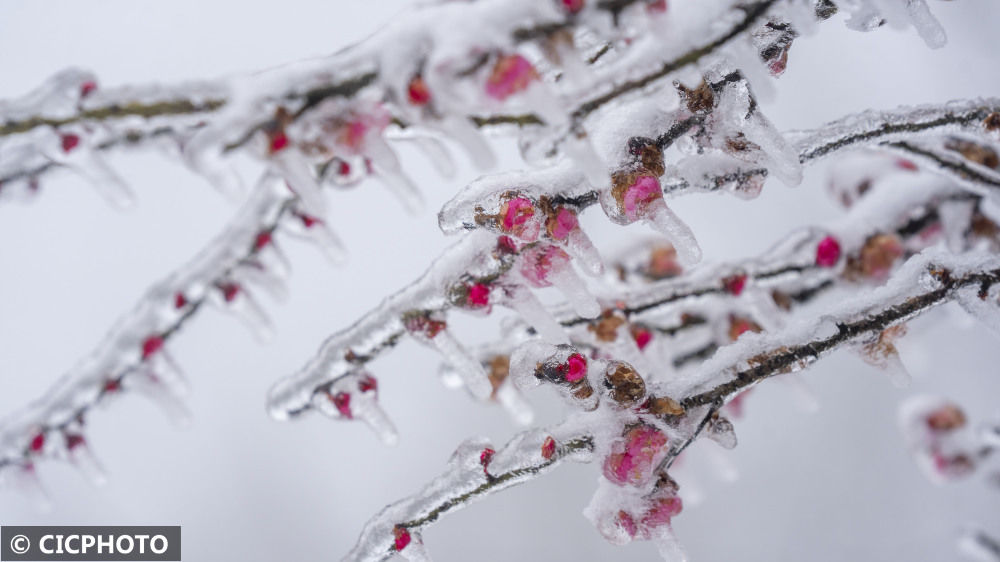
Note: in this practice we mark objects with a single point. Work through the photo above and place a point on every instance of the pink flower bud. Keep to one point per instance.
(662, 510)
(401, 537)
(37, 442)
(827, 252)
(632, 461)
(87, 88)
(74, 440)
(560, 225)
(180, 301)
(478, 295)
(636, 198)
(368, 384)
(229, 291)
(548, 448)
(69, 142)
(342, 401)
(574, 369)
(642, 337)
(734, 285)
(485, 457)
(417, 92)
(510, 75)
(263, 239)
(151, 346)
(279, 141)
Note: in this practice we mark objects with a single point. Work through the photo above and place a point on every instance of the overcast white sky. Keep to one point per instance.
(830, 486)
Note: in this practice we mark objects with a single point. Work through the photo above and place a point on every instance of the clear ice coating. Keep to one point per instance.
(134, 355)
(598, 93)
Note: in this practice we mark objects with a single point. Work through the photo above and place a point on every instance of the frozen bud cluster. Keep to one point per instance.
(619, 106)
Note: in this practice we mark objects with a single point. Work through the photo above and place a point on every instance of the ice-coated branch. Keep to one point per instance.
(134, 354)
(475, 471)
(336, 109)
(924, 283)
(889, 223)
(636, 430)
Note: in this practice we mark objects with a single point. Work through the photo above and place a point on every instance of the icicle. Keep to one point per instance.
(723, 465)
(982, 307)
(804, 397)
(235, 299)
(437, 153)
(521, 300)
(163, 395)
(353, 397)
(25, 480)
(202, 154)
(468, 137)
(664, 220)
(667, 545)
(316, 231)
(81, 457)
(292, 165)
(162, 368)
(579, 149)
(579, 245)
(88, 162)
(515, 405)
(926, 24)
(473, 375)
(386, 166)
